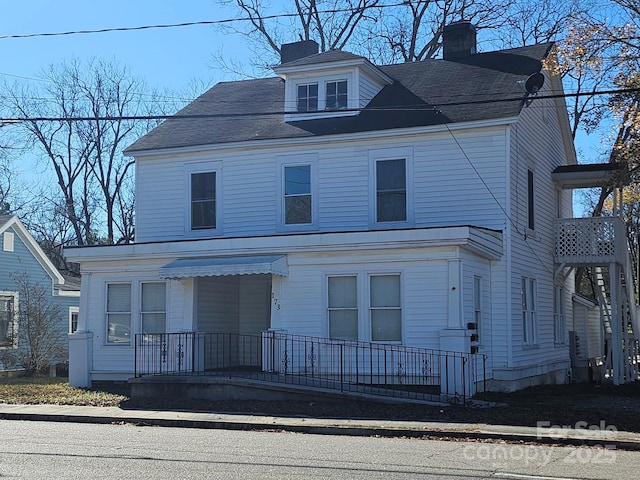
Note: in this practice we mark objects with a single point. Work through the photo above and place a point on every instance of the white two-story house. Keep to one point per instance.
(407, 204)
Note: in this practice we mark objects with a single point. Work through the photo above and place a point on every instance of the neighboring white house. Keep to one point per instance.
(409, 204)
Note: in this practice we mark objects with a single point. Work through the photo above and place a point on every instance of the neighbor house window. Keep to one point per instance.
(153, 307)
(391, 190)
(7, 321)
(8, 241)
(477, 304)
(343, 308)
(308, 97)
(297, 194)
(118, 312)
(73, 319)
(530, 200)
(385, 308)
(336, 95)
(558, 315)
(203, 200)
(529, 318)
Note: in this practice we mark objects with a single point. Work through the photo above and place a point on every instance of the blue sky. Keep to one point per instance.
(164, 58)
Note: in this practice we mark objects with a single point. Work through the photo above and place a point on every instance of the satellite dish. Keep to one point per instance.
(534, 83)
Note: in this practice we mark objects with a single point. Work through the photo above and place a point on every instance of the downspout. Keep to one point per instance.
(507, 248)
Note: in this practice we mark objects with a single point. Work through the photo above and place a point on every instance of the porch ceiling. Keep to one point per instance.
(220, 266)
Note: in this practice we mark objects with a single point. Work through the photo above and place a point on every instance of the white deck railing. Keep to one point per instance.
(590, 241)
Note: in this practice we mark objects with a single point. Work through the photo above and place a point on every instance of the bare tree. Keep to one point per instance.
(78, 122)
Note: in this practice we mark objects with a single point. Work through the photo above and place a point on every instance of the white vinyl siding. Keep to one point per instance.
(118, 313)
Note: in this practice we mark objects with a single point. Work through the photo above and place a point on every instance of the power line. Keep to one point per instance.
(190, 24)
(405, 108)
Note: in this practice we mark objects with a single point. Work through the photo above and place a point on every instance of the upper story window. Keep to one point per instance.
(530, 200)
(308, 97)
(297, 195)
(336, 95)
(391, 190)
(203, 200)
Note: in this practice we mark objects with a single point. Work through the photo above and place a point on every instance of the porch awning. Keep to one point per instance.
(220, 266)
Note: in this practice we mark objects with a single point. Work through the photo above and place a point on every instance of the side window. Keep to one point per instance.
(343, 308)
(391, 190)
(73, 319)
(8, 327)
(153, 307)
(385, 308)
(477, 306)
(203, 200)
(529, 315)
(558, 315)
(297, 195)
(118, 313)
(336, 95)
(307, 98)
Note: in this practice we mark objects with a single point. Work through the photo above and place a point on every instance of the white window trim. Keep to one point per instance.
(375, 156)
(203, 167)
(73, 310)
(141, 312)
(8, 241)
(559, 317)
(364, 301)
(16, 323)
(291, 95)
(132, 308)
(293, 161)
(530, 324)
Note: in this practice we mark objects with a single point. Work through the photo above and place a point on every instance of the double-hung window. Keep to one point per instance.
(336, 95)
(391, 190)
(118, 312)
(307, 99)
(297, 195)
(385, 308)
(529, 314)
(74, 312)
(477, 305)
(343, 308)
(558, 315)
(203, 200)
(530, 200)
(7, 321)
(153, 307)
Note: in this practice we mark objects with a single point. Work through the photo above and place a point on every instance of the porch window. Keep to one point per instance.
(529, 318)
(203, 200)
(391, 190)
(118, 312)
(343, 308)
(153, 307)
(7, 321)
(477, 305)
(558, 315)
(385, 308)
(297, 195)
(308, 97)
(336, 95)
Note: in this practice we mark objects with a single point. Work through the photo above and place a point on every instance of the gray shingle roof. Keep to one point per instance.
(423, 93)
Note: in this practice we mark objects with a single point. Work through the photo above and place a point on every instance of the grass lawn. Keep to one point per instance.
(556, 404)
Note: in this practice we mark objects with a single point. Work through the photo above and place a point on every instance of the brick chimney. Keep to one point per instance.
(294, 51)
(458, 40)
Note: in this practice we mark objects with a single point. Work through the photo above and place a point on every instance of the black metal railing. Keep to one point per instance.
(346, 366)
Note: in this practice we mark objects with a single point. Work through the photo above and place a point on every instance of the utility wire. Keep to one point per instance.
(393, 108)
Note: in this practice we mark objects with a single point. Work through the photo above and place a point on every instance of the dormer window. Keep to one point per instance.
(308, 97)
(336, 95)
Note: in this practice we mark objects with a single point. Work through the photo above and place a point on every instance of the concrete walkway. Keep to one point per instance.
(594, 435)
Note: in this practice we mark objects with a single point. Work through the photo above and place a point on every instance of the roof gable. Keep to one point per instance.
(484, 86)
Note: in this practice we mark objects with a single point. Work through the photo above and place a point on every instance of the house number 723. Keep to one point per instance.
(276, 303)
